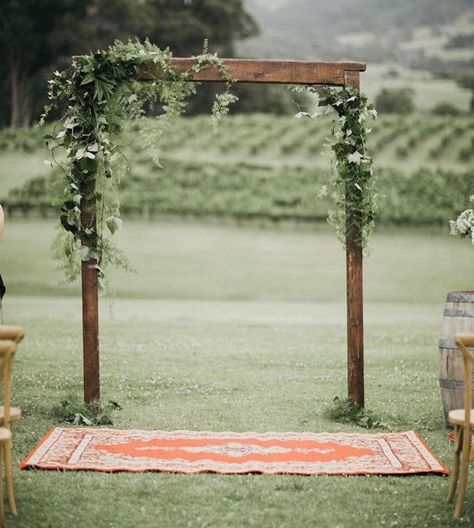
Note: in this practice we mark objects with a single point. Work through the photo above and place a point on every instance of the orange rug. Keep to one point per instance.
(194, 452)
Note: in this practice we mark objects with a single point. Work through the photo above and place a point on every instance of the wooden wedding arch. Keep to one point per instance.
(343, 74)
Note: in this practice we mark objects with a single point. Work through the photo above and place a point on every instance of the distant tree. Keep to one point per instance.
(445, 108)
(460, 41)
(33, 33)
(38, 36)
(395, 101)
(184, 24)
(467, 81)
(268, 98)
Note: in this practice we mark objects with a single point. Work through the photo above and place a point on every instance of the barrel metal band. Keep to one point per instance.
(450, 344)
(447, 343)
(460, 297)
(452, 384)
(449, 312)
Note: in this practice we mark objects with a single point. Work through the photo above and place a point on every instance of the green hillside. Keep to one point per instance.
(426, 45)
(371, 30)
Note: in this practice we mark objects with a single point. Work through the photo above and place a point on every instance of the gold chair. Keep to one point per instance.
(16, 334)
(7, 351)
(463, 421)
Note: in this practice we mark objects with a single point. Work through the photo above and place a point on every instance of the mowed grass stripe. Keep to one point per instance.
(189, 260)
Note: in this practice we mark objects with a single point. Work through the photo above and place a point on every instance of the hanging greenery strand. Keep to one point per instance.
(353, 178)
(101, 90)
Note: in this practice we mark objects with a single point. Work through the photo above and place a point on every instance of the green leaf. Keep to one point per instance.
(51, 144)
(87, 253)
(114, 224)
(85, 421)
(101, 284)
(88, 78)
(105, 420)
(115, 405)
(80, 153)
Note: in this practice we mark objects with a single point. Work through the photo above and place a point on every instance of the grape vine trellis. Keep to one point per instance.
(102, 89)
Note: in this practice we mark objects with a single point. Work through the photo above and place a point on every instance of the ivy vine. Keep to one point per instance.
(353, 177)
(100, 91)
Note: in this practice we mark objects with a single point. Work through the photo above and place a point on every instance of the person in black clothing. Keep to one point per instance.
(2, 286)
(2, 293)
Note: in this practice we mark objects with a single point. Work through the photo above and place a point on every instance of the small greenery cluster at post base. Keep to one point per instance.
(344, 411)
(71, 410)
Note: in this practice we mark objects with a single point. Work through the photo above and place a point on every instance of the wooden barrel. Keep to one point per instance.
(458, 317)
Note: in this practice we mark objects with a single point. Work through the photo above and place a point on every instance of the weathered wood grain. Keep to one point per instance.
(352, 78)
(355, 295)
(265, 71)
(90, 314)
(355, 322)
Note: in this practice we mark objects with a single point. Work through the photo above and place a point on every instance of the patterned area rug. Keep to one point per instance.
(195, 452)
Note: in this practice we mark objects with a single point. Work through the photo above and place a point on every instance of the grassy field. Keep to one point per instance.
(233, 328)
(179, 260)
(18, 168)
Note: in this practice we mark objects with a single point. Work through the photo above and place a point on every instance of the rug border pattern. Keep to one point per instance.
(33, 460)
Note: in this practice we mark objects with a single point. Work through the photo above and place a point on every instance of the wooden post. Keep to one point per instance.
(90, 314)
(355, 322)
(355, 296)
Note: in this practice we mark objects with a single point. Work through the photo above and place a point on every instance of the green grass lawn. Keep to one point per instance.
(232, 328)
(16, 168)
(189, 260)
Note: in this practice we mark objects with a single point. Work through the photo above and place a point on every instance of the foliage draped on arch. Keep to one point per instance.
(102, 89)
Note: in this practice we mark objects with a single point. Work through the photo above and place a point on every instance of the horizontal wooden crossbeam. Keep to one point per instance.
(267, 71)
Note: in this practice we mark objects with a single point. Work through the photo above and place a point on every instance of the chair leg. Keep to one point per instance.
(2, 511)
(457, 456)
(464, 471)
(7, 454)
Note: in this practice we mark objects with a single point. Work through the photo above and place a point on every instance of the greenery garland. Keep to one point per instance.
(99, 91)
(102, 89)
(353, 177)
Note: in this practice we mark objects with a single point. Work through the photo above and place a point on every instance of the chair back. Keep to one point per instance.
(464, 341)
(7, 351)
(12, 333)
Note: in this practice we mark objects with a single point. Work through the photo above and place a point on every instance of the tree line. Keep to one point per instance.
(39, 36)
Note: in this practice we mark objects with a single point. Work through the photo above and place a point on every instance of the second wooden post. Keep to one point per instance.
(355, 294)
(90, 313)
